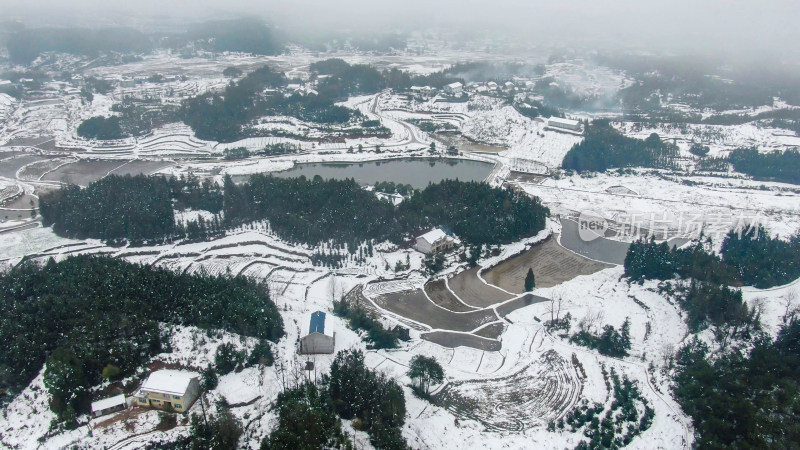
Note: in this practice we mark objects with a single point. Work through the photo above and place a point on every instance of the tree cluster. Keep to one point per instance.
(649, 260)
(605, 148)
(619, 425)
(86, 312)
(375, 400)
(778, 166)
(306, 421)
(749, 256)
(359, 319)
(316, 210)
(113, 207)
(743, 399)
(102, 128)
(133, 208)
(611, 342)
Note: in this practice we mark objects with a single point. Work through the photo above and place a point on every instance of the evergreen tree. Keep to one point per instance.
(530, 281)
(426, 371)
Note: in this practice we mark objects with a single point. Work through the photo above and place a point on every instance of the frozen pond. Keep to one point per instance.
(418, 172)
(601, 249)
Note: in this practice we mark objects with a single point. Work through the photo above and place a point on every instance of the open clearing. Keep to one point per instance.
(552, 265)
(10, 166)
(539, 393)
(474, 292)
(492, 331)
(138, 167)
(438, 292)
(453, 340)
(84, 172)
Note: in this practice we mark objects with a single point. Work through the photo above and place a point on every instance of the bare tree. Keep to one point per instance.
(791, 309)
(667, 353)
(554, 307)
(592, 320)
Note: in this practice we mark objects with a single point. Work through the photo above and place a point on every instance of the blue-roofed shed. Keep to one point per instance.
(317, 323)
(316, 341)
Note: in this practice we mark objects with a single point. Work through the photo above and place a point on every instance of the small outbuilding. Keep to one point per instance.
(434, 241)
(564, 124)
(454, 88)
(316, 341)
(165, 389)
(108, 405)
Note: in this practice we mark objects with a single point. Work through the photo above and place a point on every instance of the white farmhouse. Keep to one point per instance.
(171, 389)
(564, 124)
(454, 88)
(434, 241)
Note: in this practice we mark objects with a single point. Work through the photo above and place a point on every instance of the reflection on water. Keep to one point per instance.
(418, 172)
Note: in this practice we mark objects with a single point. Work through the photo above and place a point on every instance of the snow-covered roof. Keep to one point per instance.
(433, 236)
(455, 85)
(117, 400)
(562, 121)
(169, 381)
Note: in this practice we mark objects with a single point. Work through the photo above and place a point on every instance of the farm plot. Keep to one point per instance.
(35, 170)
(453, 340)
(439, 294)
(474, 292)
(415, 306)
(257, 269)
(24, 202)
(491, 331)
(8, 190)
(552, 265)
(521, 302)
(141, 167)
(83, 172)
(10, 166)
(539, 393)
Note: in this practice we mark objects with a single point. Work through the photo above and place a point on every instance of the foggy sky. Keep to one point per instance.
(730, 27)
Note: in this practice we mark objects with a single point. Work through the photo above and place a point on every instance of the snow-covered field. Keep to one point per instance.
(511, 394)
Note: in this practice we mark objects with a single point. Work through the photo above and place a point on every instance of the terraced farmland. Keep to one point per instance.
(552, 264)
(537, 394)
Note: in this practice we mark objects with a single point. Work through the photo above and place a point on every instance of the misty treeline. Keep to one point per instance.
(314, 211)
(605, 148)
(241, 35)
(745, 394)
(226, 117)
(309, 416)
(700, 82)
(91, 317)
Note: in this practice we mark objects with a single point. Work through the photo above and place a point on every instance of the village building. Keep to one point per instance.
(454, 88)
(317, 342)
(175, 389)
(434, 241)
(564, 124)
(108, 405)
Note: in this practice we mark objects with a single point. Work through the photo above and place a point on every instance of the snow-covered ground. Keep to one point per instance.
(683, 204)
